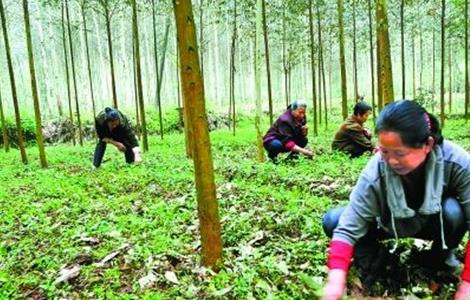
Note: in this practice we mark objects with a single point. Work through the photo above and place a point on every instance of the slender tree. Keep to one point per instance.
(193, 90)
(433, 70)
(67, 74)
(259, 136)
(6, 141)
(402, 40)
(74, 77)
(83, 4)
(356, 92)
(34, 88)
(135, 35)
(443, 15)
(11, 73)
(155, 55)
(342, 62)
(385, 66)
(449, 62)
(413, 62)
(201, 35)
(108, 11)
(312, 65)
(467, 83)
(321, 63)
(232, 111)
(371, 50)
(268, 65)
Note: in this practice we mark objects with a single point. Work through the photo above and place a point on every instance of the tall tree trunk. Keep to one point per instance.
(135, 35)
(433, 70)
(136, 92)
(11, 73)
(90, 80)
(321, 64)
(312, 65)
(342, 62)
(443, 15)
(450, 77)
(268, 65)
(193, 89)
(258, 36)
(467, 83)
(6, 141)
(385, 66)
(413, 63)
(163, 60)
(421, 51)
(158, 82)
(77, 107)
(201, 35)
(34, 88)
(232, 111)
(371, 50)
(67, 75)
(110, 50)
(402, 39)
(284, 55)
(356, 92)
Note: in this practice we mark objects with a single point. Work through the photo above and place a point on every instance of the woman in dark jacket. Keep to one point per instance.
(289, 132)
(113, 127)
(417, 185)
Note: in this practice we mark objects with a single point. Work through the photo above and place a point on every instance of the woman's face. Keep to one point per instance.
(299, 113)
(401, 158)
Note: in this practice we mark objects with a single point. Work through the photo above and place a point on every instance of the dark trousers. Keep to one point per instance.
(101, 148)
(274, 147)
(367, 246)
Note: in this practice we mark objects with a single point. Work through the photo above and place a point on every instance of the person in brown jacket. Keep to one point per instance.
(352, 137)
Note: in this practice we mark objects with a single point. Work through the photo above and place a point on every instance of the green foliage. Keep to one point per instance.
(274, 246)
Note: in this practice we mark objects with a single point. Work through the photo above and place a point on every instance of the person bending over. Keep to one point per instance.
(113, 127)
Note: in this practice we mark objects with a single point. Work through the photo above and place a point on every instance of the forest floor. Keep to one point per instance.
(131, 231)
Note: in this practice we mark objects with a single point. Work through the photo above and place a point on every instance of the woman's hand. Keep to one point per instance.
(335, 285)
(463, 292)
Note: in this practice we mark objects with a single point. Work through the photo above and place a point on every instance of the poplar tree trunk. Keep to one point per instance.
(135, 35)
(77, 107)
(450, 77)
(284, 57)
(467, 83)
(6, 141)
(413, 63)
(268, 65)
(342, 62)
(321, 64)
(433, 69)
(193, 90)
(85, 34)
(110, 50)
(201, 35)
(356, 92)
(371, 50)
(34, 88)
(67, 75)
(385, 66)
(312, 64)
(232, 111)
(402, 39)
(258, 36)
(443, 15)
(11, 73)
(158, 83)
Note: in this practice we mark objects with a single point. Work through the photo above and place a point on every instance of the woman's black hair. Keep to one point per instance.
(111, 114)
(361, 108)
(411, 121)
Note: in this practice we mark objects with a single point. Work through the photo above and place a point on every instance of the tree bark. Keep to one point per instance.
(110, 50)
(321, 64)
(356, 89)
(193, 90)
(135, 35)
(90, 79)
(258, 36)
(158, 83)
(6, 141)
(11, 73)
(450, 76)
(74, 79)
(342, 62)
(268, 64)
(67, 75)
(402, 40)
(385, 66)
(443, 15)
(312, 65)
(371, 50)
(467, 83)
(34, 88)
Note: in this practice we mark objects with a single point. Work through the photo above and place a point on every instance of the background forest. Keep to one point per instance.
(130, 232)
